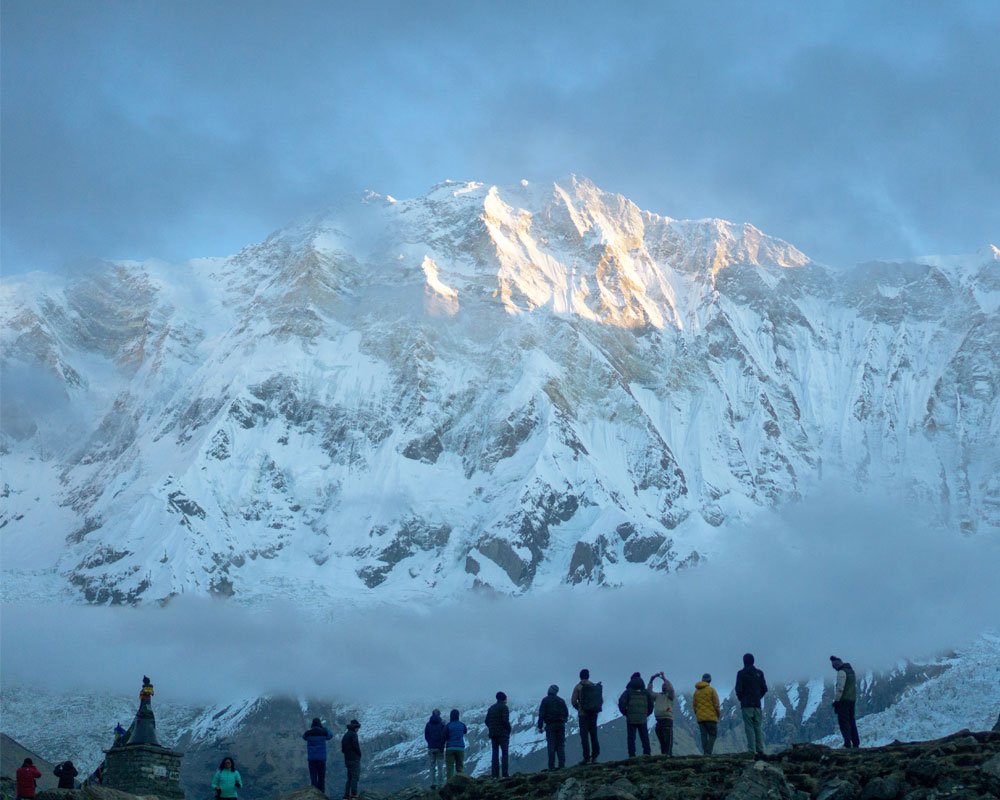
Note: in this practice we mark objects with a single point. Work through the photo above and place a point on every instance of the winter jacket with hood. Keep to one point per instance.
(66, 773)
(456, 732)
(350, 746)
(706, 702)
(316, 738)
(750, 684)
(663, 702)
(435, 732)
(552, 711)
(26, 776)
(636, 702)
(498, 720)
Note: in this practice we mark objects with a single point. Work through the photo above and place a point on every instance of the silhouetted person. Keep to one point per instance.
(552, 716)
(845, 695)
(663, 713)
(66, 773)
(750, 688)
(636, 704)
(707, 711)
(316, 738)
(498, 725)
(26, 776)
(436, 736)
(351, 748)
(588, 700)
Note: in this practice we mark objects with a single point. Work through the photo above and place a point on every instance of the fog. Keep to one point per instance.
(858, 579)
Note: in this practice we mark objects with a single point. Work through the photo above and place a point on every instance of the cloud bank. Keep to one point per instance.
(862, 579)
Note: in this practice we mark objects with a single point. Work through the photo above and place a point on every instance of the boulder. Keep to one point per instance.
(837, 789)
(303, 793)
(761, 781)
(571, 789)
(881, 789)
(457, 786)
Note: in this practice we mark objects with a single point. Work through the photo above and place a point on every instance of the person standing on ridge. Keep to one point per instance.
(707, 711)
(454, 748)
(316, 738)
(66, 773)
(350, 746)
(845, 695)
(552, 716)
(498, 725)
(26, 776)
(588, 700)
(226, 780)
(436, 736)
(663, 713)
(636, 704)
(750, 688)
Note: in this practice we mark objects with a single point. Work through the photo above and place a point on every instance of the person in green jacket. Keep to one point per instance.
(227, 780)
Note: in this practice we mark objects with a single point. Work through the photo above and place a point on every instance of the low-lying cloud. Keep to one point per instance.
(860, 579)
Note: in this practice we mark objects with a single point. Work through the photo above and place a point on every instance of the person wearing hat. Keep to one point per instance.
(498, 725)
(351, 748)
(707, 711)
(845, 695)
(552, 716)
(636, 704)
(316, 738)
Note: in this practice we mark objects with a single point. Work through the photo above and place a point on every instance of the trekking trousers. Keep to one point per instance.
(498, 766)
(665, 733)
(848, 724)
(436, 757)
(643, 732)
(709, 731)
(555, 743)
(317, 774)
(454, 761)
(752, 718)
(353, 775)
(588, 736)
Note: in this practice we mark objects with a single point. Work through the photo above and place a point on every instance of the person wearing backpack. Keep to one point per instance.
(552, 716)
(636, 704)
(588, 700)
(663, 713)
(498, 724)
(750, 688)
(436, 736)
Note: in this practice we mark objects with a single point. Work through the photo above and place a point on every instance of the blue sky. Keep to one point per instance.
(138, 129)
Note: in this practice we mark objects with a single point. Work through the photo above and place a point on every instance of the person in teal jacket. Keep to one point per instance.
(227, 780)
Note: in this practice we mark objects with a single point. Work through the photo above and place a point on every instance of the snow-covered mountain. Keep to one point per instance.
(516, 388)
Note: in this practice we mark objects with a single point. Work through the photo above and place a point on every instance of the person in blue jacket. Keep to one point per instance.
(436, 736)
(316, 738)
(454, 747)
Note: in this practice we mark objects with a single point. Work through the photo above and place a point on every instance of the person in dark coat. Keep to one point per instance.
(750, 688)
(845, 695)
(552, 717)
(588, 700)
(436, 736)
(636, 704)
(26, 776)
(316, 738)
(351, 748)
(66, 773)
(498, 725)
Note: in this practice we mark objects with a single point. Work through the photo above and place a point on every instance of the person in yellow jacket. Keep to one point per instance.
(707, 711)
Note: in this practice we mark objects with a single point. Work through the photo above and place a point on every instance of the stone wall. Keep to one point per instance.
(144, 769)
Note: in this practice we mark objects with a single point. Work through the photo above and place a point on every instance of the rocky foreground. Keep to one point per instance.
(959, 767)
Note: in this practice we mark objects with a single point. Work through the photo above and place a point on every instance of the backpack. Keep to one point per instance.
(591, 698)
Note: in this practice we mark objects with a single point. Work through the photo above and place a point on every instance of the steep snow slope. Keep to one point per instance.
(515, 388)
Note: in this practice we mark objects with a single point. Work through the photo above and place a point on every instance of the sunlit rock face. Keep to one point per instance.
(511, 389)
